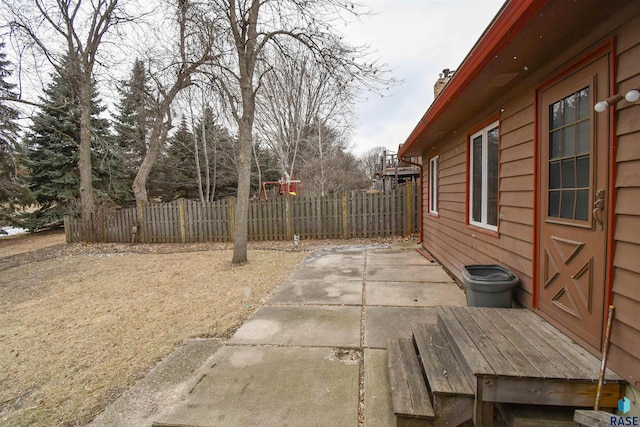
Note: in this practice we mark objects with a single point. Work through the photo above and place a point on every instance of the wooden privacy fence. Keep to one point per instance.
(339, 216)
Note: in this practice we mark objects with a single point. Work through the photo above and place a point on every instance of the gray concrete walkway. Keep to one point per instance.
(314, 354)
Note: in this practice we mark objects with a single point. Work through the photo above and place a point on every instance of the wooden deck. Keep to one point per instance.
(514, 356)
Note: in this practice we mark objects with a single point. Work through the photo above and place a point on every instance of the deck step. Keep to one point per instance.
(410, 397)
(515, 415)
(590, 418)
(451, 393)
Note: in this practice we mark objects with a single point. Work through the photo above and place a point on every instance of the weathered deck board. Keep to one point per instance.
(409, 391)
(549, 357)
(470, 357)
(522, 353)
(451, 393)
(592, 418)
(443, 370)
(589, 363)
(488, 343)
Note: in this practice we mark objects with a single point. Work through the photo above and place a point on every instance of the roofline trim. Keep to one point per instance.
(512, 18)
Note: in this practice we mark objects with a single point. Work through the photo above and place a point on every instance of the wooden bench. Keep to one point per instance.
(410, 397)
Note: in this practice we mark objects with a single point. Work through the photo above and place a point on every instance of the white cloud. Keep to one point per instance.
(417, 39)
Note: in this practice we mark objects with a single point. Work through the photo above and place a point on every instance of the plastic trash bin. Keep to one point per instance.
(488, 285)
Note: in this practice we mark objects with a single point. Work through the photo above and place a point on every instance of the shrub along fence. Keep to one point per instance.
(343, 215)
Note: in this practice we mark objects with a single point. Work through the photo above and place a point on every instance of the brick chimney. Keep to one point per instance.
(445, 76)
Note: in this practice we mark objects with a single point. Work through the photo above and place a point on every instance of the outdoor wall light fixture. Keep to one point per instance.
(632, 96)
(603, 105)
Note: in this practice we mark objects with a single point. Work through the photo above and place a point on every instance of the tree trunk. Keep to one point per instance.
(215, 168)
(246, 49)
(197, 161)
(156, 141)
(255, 155)
(198, 169)
(244, 188)
(87, 202)
(205, 154)
(196, 151)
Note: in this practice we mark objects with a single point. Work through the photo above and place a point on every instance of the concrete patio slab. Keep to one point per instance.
(395, 248)
(382, 323)
(139, 405)
(327, 272)
(346, 259)
(394, 259)
(407, 273)
(411, 294)
(378, 409)
(271, 386)
(321, 326)
(318, 291)
(296, 361)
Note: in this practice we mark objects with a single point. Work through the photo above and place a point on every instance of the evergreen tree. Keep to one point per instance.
(52, 151)
(132, 121)
(12, 191)
(176, 167)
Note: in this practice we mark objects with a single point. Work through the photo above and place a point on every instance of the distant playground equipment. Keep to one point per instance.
(285, 185)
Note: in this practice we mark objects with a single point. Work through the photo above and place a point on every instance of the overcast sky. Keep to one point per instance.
(417, 39)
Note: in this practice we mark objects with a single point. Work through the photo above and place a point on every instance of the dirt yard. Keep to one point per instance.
(79, 324)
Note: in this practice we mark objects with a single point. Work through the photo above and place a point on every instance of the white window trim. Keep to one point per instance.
(485, 176)
(434, 164)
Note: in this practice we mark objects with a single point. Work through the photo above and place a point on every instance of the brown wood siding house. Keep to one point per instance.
(520, 170)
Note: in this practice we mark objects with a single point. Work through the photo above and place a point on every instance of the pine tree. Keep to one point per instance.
(12, 191)
(52, 151)
(132, 121)
(178, 166)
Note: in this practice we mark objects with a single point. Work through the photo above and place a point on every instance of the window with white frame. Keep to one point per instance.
(483, 177)
(433, 184)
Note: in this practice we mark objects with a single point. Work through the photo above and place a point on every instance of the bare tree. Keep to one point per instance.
(256, 27)
(373, 161)
(205, 135)
(196, 149)
(172, 71)
(295, 93)
(69, 35)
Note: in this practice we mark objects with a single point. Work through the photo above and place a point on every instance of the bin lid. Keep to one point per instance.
(489, 273)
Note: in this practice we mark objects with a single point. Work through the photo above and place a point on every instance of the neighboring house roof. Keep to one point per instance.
(524, 36)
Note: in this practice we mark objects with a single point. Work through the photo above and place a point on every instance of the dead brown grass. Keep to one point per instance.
(22, 243)
(78, 329)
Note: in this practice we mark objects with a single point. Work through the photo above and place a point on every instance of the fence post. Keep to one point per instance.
(183, 226)
(101, 217)
(67, 229)
(288, 216)
(409, 209)
(345, 216)
(232, 219)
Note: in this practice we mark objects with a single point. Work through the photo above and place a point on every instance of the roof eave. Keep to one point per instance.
(512, 17)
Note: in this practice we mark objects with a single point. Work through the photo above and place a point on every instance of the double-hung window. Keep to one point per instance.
(483, 177)
(433, 185)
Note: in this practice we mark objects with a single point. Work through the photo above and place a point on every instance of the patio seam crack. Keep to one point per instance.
(361, 420)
